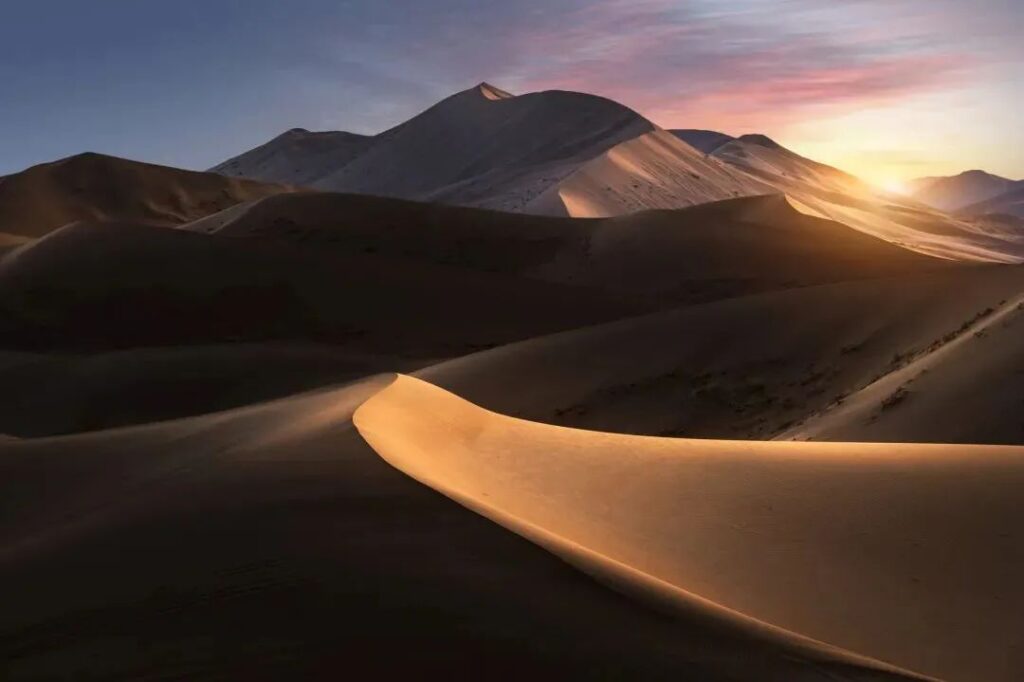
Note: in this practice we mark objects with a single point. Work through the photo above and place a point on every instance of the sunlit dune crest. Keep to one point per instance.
(777, 531)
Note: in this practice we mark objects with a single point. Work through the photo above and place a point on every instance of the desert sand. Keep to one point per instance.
(546, 391)
(755, 366)
(90, 186)
(960, 191)
(296, 157)
(1009, 203)
(827, 540)
(573, 154)
(272, 542)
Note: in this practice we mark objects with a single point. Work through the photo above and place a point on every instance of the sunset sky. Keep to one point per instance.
(889, 89)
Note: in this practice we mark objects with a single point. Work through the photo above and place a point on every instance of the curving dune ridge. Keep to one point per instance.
(904, 553)
(270, 542)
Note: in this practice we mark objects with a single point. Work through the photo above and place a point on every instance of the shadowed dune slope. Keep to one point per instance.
(97, 187)
(705, 141)
(96, 286)
(60, 393)
(905, 553)
(700, 253)
(1009, 203)
(967, 390)
(396, 284)
(272, 543)
(753, 366)
(959, 191)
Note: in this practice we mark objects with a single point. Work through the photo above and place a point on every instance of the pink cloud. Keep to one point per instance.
(684, 67)
(790, 97)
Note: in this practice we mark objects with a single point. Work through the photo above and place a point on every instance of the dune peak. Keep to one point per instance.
(762, 140)
(493, 93)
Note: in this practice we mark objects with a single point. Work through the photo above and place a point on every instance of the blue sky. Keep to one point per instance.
(888, 88)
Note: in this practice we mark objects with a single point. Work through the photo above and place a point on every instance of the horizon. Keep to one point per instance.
(860, 86)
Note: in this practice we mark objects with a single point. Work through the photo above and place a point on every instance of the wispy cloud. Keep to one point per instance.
(738, 65)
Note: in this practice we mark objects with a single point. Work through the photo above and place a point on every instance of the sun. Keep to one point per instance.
(894, 186)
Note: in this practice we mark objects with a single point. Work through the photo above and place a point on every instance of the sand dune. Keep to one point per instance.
(1009, 203)
(701, 253)
(101, 286)
(905, 553)
(60, 393)
(706, 141)
(959, 191)
(338, 279)
(752, 366)
(976, 376)
(43, 198)
(175, 506)
(573, 154)
(185, 561)
(655, 170)
(485, 147)
(296, 157)
(487, 150)
(827, 192)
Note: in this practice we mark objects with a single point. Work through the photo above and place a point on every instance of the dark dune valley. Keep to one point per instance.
(524, 386)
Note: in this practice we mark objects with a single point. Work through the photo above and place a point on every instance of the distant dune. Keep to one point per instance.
(485, 147)
(655, 170)
(827, 192)
(296, 157)
(97, 187)
(959, 191)
(566, 153)
(1010, 203)
(706, 141)
(495, 151)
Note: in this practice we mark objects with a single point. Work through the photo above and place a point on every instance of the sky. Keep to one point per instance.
(888, 89)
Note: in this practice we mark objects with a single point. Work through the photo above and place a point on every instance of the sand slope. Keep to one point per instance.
(271, 543)
(700, 253)
(753, 366)
(655, 170)
(706, 141)
(573, 154)
(966, 389)
(906, 553)
(97, 187)
(104, 285)
(337, 277)
(60, 393)
(827, 192)
(1008, 203)
(296, 157)
(485, 147)
(959, 191)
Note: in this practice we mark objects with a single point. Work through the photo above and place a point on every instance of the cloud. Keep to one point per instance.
(737, 66)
